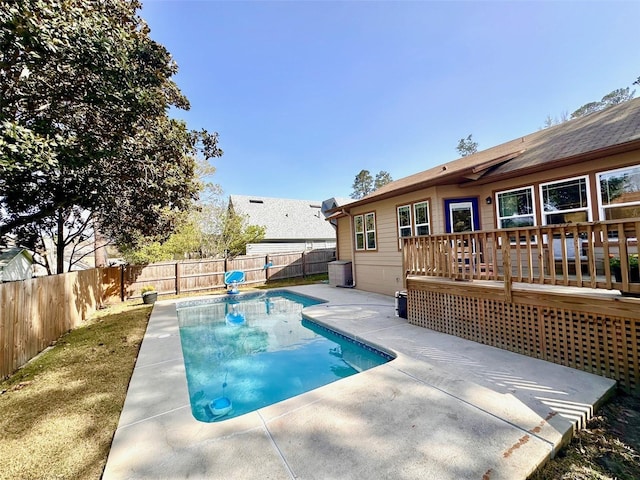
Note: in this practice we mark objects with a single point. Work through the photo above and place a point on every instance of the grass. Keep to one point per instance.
(59, 412)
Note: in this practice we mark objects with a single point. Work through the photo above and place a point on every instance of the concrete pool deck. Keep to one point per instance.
(445, 408)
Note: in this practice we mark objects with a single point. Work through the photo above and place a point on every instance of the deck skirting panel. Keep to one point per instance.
(595, 333)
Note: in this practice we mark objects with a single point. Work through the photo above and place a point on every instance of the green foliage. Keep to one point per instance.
(145, 254)
(466, 146)
(382, 178)
(612, 98)
(364, 184)
(236, 234)
(615, 261)
(85, 139)
(186, 241)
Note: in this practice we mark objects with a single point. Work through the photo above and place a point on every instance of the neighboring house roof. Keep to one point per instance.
(13, 266)
(610, 131)
(334, 202)
(284, 219)
(10, 253)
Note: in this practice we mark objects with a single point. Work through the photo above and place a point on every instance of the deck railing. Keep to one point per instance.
(600, 255)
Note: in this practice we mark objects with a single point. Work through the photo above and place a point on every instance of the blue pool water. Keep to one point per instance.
(245, 352)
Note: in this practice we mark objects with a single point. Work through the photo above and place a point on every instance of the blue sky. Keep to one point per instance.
(305, 94)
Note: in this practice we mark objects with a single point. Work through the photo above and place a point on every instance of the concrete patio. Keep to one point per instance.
(445, 408)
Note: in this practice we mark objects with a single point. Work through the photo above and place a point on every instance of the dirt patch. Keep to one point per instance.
(609, 448)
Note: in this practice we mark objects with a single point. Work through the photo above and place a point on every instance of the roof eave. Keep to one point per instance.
(560, 162)
(462, 177)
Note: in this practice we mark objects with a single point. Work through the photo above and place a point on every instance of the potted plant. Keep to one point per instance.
(634, 272)
(149, 294)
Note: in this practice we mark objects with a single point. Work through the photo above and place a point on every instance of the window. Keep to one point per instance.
(404, 221)
(515, 208)
(566, 201)
(413, 219)
(421, 214)
(619, 193)
(365, 231)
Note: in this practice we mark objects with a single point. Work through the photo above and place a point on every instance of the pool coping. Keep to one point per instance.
(443, 408)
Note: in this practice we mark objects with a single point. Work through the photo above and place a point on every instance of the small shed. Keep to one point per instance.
(16, 263)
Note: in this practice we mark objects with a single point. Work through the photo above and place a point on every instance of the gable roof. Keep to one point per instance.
(284, 219)
(7, 255)
(610, 131)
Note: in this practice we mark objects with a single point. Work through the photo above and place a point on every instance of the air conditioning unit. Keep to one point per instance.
(340, 273)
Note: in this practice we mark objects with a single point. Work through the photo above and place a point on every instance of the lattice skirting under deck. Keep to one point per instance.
(594, 334)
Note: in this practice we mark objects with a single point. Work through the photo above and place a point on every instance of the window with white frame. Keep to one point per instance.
(413, 219)
(404, 221)
(516, 208)
(421, 215)
(619, 193)
(565, 201)
(365, 231)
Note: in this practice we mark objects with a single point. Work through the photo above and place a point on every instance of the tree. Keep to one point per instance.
(85, 139)
(466, 146)
(237, 233)
(612, 98)
(382, 178)
(551, 121)
(362, 185)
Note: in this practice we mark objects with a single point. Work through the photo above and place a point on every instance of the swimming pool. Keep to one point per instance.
(244, 352)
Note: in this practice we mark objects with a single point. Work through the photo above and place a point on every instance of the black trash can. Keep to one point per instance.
(401, 304)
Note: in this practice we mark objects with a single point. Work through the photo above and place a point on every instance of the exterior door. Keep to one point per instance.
(462, 215)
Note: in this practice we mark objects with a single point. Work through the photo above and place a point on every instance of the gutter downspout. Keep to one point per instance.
(353, 251)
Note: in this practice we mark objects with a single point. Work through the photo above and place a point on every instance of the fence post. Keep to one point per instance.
(122, 267)
(177, 278)
(266, 268)
(304, 264)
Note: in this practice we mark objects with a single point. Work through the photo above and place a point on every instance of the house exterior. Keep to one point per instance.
(583, 170)
(16, 263)
(529, 246)
(291, 225)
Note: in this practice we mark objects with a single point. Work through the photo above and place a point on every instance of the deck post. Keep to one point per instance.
(506, 264)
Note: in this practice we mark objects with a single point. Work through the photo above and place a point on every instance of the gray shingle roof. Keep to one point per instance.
(590, 136)
(285, 219)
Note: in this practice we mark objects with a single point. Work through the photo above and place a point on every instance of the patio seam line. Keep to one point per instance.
(275, 445)
(153, 416)
(181, 359)
(553, 447)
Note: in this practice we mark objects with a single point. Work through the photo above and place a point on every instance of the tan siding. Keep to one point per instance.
(381, 270)
(385, 280)
(344, 239)
(590, 168)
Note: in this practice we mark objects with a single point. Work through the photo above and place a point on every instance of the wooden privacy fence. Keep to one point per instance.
(208, 274)
(36, 312)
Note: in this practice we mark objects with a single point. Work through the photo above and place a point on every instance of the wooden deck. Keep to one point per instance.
(576, 254)
(562, 293)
